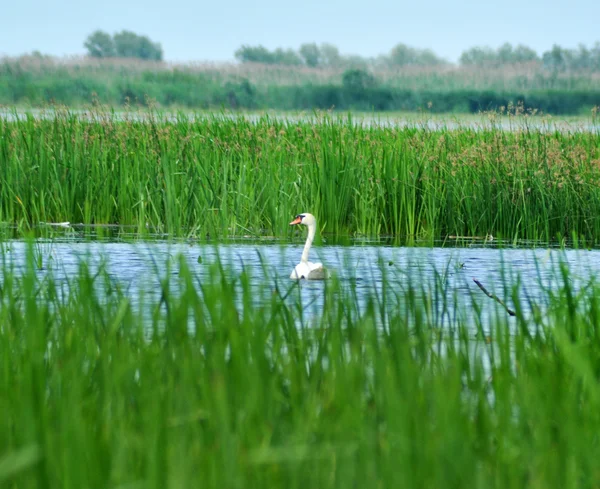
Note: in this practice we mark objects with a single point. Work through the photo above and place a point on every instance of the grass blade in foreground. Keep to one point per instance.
(214, 385)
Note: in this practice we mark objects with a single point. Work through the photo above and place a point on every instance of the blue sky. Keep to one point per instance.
(211, 31)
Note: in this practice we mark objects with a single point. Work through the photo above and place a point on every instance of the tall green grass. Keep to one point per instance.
(217, 176)
(209, 384)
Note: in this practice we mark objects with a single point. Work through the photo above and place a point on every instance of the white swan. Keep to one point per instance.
(306, 269)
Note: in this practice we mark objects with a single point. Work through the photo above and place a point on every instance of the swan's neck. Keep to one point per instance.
(312, 229)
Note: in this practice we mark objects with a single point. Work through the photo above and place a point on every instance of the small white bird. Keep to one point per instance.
(306, 269)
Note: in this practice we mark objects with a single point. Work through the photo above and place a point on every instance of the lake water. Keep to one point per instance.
(379, 119)
(139, 266)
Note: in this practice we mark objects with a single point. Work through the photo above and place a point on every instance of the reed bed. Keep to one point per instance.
(223, 176)
(445, 78)
(204, 386)
(41, 82)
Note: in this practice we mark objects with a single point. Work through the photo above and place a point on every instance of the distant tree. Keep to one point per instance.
(330, 55)
(478, 56)
(560, 59)
(582, 58)
(356, 62)
(427, 57)
(506, 54)
(100, 45)
(403, 55)
(254, 54)
(260, 54)
(311, 54)
(286, 57)
(125, 44)
(555, 59)
(524, 54)
(130, 45)
(595, 57)
(149, 50)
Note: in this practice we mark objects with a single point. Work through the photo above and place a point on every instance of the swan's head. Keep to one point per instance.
(304, 218)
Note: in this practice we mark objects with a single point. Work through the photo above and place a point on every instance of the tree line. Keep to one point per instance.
(328, 56)
(127, 44)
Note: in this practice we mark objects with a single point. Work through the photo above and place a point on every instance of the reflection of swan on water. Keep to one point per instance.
(306, 269)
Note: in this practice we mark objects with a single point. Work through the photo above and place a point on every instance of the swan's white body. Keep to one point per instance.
(306, 269)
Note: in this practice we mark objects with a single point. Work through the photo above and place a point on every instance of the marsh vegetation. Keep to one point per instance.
(202, 384)
(213, 375)
(188, 176)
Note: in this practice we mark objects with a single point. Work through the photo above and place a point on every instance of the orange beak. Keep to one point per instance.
(296, 221)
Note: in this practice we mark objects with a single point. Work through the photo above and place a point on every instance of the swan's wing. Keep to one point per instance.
(318, 272)
(310, 271)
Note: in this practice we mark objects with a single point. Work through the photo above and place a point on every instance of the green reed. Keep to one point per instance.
(222, 176)
(215, 383)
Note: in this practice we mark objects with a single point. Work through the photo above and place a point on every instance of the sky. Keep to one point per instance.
(196, 31)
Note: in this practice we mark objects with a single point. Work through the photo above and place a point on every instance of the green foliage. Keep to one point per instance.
(403, 55)
(260, 54)
(227, 176)
(286, 57)
(559, 59)
(519, 54)
(311, 54)
(131, 45)
(504, 55)
(125, 44)
(254, 54)
(100, 45)
(355, 89)
(329, 55)
(358, 80)
(219, 382)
